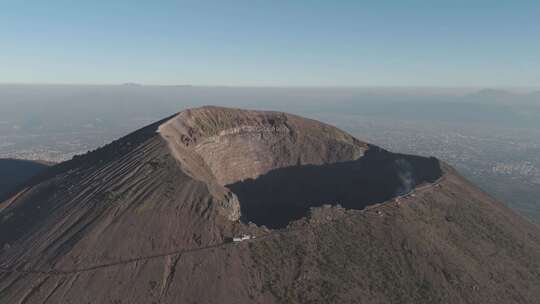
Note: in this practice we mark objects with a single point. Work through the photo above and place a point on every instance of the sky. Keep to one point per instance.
(272, 43)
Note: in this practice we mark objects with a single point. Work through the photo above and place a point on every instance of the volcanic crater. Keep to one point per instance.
(273, 167)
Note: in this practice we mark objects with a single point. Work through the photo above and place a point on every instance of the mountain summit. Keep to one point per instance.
(219, 205)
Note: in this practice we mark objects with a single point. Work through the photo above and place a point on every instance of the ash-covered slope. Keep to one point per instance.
(149, 218)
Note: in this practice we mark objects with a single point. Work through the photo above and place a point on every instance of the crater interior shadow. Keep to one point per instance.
(286, 194)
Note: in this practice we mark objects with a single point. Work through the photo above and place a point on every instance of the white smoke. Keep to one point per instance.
(406, 177)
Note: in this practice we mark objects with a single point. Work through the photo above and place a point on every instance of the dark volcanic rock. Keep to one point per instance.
(149, 218)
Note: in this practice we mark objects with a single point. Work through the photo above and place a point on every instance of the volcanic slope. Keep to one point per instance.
(149, 217)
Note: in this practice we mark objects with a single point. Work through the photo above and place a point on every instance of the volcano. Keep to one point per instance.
(220, 205)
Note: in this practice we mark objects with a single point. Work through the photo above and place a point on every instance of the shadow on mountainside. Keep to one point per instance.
(286, 194)
(16, 171)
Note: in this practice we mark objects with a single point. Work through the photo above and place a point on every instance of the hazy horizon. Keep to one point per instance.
(376, 88)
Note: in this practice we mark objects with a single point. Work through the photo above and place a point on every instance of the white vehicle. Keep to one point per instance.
(243, 237)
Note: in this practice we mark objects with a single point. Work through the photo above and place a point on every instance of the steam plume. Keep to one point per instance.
(406, 177)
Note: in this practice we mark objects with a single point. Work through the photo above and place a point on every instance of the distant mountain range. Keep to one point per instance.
(495, 95)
